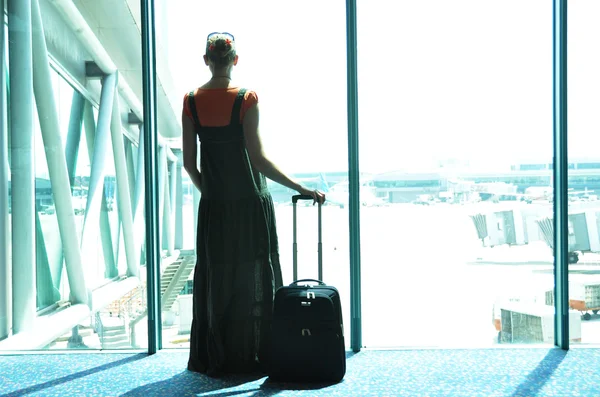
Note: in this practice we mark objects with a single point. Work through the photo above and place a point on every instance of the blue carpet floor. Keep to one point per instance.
(424, 373)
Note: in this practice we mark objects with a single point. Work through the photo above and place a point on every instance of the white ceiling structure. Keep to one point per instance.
(117, 26)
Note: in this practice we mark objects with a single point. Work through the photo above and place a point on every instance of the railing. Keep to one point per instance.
(99, 327)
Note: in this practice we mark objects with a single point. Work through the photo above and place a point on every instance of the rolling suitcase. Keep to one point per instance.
(307, 328)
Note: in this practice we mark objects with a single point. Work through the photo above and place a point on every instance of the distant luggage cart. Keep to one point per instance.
(584, 298)
(533, 323)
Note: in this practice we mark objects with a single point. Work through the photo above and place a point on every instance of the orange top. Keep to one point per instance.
(214, 105)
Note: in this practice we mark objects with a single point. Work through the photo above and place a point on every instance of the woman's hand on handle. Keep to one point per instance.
(318, 197)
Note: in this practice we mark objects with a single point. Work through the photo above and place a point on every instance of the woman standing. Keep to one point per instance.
(237, 270)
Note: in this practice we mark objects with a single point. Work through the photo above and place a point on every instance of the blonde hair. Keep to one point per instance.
(220, 49)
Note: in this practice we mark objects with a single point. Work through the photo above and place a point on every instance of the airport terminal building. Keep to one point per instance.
(404, 187)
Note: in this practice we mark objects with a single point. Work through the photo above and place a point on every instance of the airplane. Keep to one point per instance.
(546, 193)
(533, 194)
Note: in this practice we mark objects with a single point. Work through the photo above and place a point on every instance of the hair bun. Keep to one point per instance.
(221, 49)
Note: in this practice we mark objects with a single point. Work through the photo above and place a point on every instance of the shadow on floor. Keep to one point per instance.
(537, 378)
(77, 375)
(189, 383)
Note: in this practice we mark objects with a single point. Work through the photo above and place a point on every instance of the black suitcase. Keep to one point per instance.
(307, 329)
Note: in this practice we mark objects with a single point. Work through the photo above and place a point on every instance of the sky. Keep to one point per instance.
(467, 80)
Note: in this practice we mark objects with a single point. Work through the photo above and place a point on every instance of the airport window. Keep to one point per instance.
(315, 155)
(584, 179)
(447, 244)
(74, 227)
(421, 254)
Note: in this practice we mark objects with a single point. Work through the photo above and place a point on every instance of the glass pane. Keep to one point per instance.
(71, 187)
(290, 68)
(584, 171)
(454, 108)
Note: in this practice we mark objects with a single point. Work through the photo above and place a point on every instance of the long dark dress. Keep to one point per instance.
(237, 270)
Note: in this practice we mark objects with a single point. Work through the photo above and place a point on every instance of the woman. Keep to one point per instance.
(237, 270)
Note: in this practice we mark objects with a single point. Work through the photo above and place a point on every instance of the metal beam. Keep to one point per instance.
(71, 153)
(123, 194)
(89, 125)
(5, 273)
(74, 134)
(173, 204)
(128, 146)
(22, 165)
(98, 140)
(130, 161)
(151, 177)
(353, 177)
(115, 232)
(168, 241)
(55, 156)
(46, 293)
(138, 196)
(561, 182)
(100, 213)
(162, 171)
(179, 202)
(172, 166)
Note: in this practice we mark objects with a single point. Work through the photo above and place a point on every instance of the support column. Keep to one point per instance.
(72, 152)
(162, 171)
(172, 166)
(5, 273)
(151, 180)
(172, 203)
(46, 293)
(179, 203)
(123, 193)
(130, 170)
(167, 230)
(561, 182)
(116, 235)
(55, 156)
(353, 177)
(130, 161)
(22, 167)
(98, 141)
(74, 134)
(138, 208)
(89, 126)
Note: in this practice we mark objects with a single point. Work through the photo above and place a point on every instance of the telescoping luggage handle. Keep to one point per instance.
(295, 199)
(312, 280)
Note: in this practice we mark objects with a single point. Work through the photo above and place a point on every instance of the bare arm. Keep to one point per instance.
(189, 147)
(262, 163)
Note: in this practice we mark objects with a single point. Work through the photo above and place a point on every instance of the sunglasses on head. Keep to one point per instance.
(220, 33)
